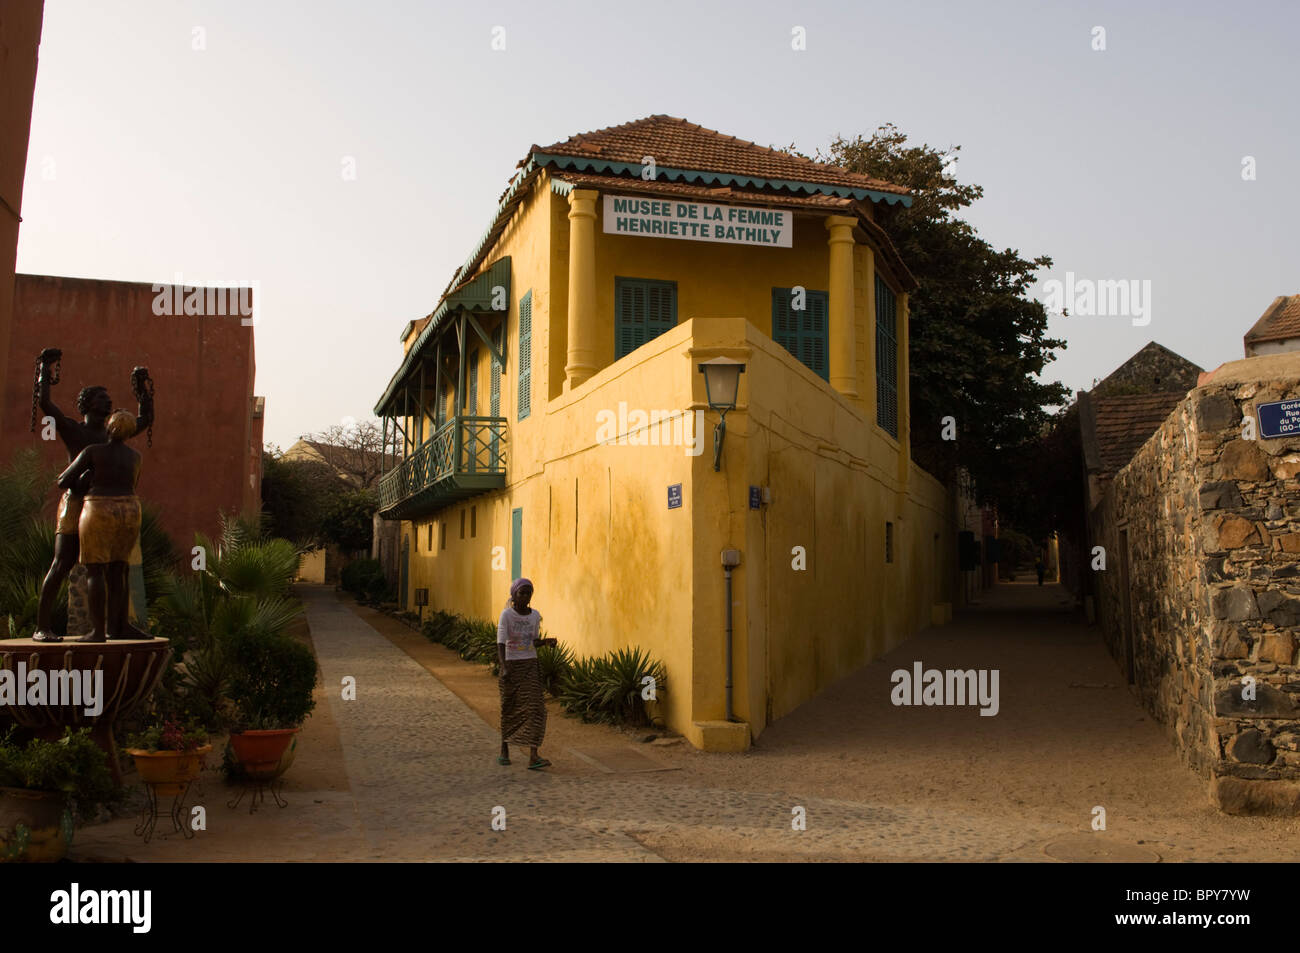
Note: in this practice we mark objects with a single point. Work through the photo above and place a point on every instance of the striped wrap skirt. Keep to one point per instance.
(523, 704)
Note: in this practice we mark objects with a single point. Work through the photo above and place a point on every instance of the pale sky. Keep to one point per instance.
(150, 157)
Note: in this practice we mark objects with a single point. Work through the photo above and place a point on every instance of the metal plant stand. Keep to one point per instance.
(149, 817)
(259, 787)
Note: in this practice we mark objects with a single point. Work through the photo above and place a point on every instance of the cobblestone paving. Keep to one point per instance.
(876, 782)
(422, 772)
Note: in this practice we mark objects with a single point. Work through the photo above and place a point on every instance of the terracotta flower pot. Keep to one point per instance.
(259, 752)
(167, 772)
(34, 825)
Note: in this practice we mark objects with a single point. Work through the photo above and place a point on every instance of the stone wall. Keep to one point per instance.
(1208, 524)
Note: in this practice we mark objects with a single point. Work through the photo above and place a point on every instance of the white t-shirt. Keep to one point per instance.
(517, 632)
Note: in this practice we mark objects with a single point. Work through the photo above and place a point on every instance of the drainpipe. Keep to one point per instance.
(730, 560)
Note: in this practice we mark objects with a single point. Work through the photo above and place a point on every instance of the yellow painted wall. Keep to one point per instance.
(613, 566)
(833, 489)
(311, 567)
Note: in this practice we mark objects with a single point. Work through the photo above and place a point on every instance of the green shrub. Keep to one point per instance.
(357, 574)
(272, 678)
(375, 588)
(437, 626)
(74, 765)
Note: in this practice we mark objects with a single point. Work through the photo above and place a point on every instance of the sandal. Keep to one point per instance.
(502, 759)
(539, 763)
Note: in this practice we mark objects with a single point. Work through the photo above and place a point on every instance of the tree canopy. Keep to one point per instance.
(977, 341)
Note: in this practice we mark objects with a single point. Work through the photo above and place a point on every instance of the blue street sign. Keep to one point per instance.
(1281, 418)
(675, 496)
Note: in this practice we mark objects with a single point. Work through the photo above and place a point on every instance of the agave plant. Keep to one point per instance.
(555, 662)
(437, 626)
(624, 676)
(609, 688)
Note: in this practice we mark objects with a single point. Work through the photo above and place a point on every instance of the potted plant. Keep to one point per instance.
(169, 755)
(272, 682)
(40, 782)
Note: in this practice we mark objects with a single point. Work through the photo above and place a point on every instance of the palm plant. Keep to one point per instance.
(241, 591)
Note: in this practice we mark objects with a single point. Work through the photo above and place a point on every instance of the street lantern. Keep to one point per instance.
(722, 387)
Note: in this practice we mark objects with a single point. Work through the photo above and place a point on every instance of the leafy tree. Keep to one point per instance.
(350, 520)
(296, 496)
(977, 341)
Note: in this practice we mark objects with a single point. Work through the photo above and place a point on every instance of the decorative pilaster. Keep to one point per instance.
(842, 341)
(581, 362)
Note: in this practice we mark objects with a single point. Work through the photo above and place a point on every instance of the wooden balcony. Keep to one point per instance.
(462, 458)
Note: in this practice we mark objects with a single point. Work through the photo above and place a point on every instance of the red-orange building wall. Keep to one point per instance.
(20, 35)
(206, 454)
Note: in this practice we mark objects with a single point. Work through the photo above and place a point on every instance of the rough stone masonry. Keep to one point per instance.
(1212, 526)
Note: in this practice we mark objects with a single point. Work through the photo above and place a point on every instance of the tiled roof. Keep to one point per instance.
(1125, 423)
(678, 144)
(1280, 320)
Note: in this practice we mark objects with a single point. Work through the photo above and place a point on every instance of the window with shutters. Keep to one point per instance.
(643, 310)
(802, 331)
(525, 379)
(886, 358)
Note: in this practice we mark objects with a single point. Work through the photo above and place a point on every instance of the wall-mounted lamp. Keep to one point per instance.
(721, 386)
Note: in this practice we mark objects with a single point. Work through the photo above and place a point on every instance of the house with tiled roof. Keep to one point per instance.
(669, 386)
(1277, 330)
(1121, 412)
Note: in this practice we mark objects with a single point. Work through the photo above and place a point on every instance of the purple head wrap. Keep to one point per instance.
(519, 584)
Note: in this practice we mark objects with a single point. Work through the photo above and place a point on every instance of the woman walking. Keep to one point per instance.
(523, 706)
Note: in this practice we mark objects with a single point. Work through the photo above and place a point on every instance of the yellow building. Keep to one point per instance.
(557, 425)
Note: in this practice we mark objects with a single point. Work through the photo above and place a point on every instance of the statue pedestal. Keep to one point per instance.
(116, 676)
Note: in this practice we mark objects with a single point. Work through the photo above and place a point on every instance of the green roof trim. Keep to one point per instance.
(478, 296)
(581, 164)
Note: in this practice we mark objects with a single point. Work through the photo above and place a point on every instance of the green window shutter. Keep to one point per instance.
(886, 358)
(643, 310)
(525, 355)
(803, 333)
(472, 406)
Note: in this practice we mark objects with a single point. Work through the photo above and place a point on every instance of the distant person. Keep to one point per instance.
(1041, 569)
(523, 704)
(109, 524)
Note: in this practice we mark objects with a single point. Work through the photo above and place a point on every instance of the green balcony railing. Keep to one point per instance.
(463, 457)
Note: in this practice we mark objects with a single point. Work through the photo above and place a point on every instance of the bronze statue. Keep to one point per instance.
(94, 404)
(106, 473)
